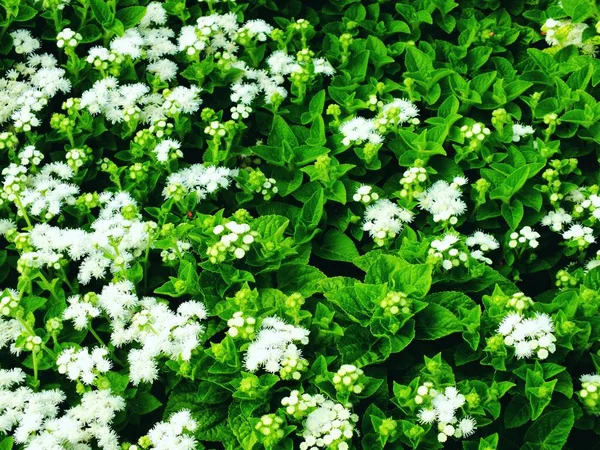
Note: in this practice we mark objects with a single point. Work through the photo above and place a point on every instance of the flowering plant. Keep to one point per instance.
(317, 225)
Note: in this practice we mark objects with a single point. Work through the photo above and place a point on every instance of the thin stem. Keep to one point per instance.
(23, 211)
(35, 368)
(98, 338)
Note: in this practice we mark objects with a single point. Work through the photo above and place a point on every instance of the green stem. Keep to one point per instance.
(23, 211)
(35, 368)
(49, 286)
(98, 338)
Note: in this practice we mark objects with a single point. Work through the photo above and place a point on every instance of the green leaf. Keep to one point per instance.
(551, 431)
(538, 392)
(131, 15)
(513, 213)
(270, 227)
(357, 301)
(357, 66)
(579, 10)
(144, 403)
(25, 13)
(336, 246)
(312, 211)
(435, 322)
(412, 279)
(6, 443)
(280, 133)
(102, 12)
(241, 426)
(511, 185)
(271, 154)
(299, 278)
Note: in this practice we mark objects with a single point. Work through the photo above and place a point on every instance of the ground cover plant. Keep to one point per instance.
(299, 225)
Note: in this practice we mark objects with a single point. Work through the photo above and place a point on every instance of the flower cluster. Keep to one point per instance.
(590, 392)
(365, 195)
(529, 336)
(34, 417)
(83, 365)
(272, 345)
(384, 220)
(396, 303)
(176, 433)
(444, 201)
(348, 379)
(326, 424)
(235, 238)
(481, 243)
(441, 407)
(446, 252)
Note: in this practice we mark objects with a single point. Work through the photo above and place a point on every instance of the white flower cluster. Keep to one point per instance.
(528, 336)
(444, 200)
(443, 250)
(199, 179)
(269, 348)
(68, 38)
(327, 424)
(236, 241)
(81, 309)
(560, 33)
(347, 379)
(384, 220)
(365, 195)
(292, 363)
(132, 101)
(156, 329)
(241, 326)
(117, 237)
(47, 191)
(38, 427)
(442, 407)
(171, 435)
(27, 87)
(519, 302)
(357, 130)
(482, 243)
(23, 42)
(556, 220)
(81, 365)
(270, 82)
(167, 150)
(520, 131)
(476, 132)
(526, 235)
(590, 392)
(580, 235)
(395, 113)
(411, 182)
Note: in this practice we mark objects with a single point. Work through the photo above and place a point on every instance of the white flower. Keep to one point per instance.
(167, 149)
(155, 14)
(273, 338)
(444, 201)
(556, 219)
(358, 130)
(520, 131)
(384, 220)
(467, 426)
(199, 179)
(23, 42)
(577, 232)
(164, 69)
